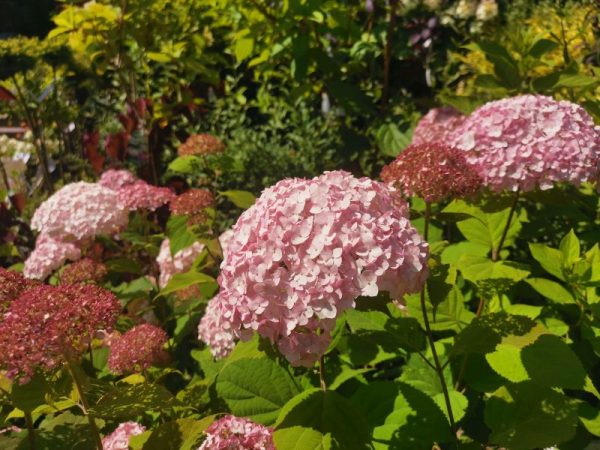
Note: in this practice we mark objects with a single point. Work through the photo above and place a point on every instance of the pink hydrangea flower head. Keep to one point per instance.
(216, 330)
(437, 125)
(224, 240)
(12, 284)
(48, 255)
(432, 171)
(116, 179)
(119, 439)
(141, 195)
(237, 433)
(201, 144)
(85, 270)
(305, 251)
(170, 265)
(193, 204)
(46, 323)
(530, 141)
(137, 349)
(79, 211)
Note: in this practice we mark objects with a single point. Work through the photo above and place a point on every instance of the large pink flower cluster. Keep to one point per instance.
(137, 349)
(304, 252)
(237, 433)
(80, 211)
(530, 141)
(135, 193)
(437, 126)
(12, 284)
(46, 323)
(433, 171)
(119, 439)
(170, 265)
(48, 255)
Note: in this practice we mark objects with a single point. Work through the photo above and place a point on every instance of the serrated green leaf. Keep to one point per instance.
(551, 290)
(129, 401)
(549, 258)
(570, 248)
(241, 199)
(541, 47)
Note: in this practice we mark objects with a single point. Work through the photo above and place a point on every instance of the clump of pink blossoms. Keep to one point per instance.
(170, 265)
(45, 324)
(433, 171)
(303, 253)
(137, 349)
(224, 240)
(48, 255)
(236, 433)
(193, 204)
(85, 270)
(135, 193)
(530, 141)
(12, 284)
(80, 211)
(119, 439)
(437, 125)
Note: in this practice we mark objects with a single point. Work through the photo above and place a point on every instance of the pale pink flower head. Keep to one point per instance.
(85, 270)
(530, 141)
(305, 251)
(116, 179)
(216, 330)
(201, 144)
(237, 433)
(170, 265)
(48, 255)
(224, 240)
(137, 349)
(433, 171)
(12, 284)
(46, 323)
(79, 211)
(119, 439)
(437, 125)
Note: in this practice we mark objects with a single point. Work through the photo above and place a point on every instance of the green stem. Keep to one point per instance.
(322, 372)
(30, 430)
(387, 53)
(513, 207)
(438, 366)
(84, 403)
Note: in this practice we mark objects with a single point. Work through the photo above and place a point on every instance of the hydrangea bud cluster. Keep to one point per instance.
(12, 284)
(193, 204)
(437, 126)
(85, 270)
(530, 141)
(46, 323)
(119, 439)
(134, 193)
(170, 265)
(304, 252)
(201, 144)
(48, 255)
(79, 211)
(433, 171)
(137, 349)
(237, 433)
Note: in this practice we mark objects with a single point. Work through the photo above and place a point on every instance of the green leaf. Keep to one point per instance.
(243, 48)
(401, 416)
(180, 434)
(507, 73)
(545, 83)
(506, 361)
(487, 81)
(577, 80)
(317, 419)
(458, 402)
(241, 199)
(450, 314)
(185, 164)
(551, 290)
(30, 395)
(127, 402)
(526, 416)
(549, 258)
(179, 235)
(366, 320)
(350, 97)
(190, 278)
(255, 388)
(494, 49)
(391, 140)
(124, 265)
(541, 47)
(475, 269)
(570, 248)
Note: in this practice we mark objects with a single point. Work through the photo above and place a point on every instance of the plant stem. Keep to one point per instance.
(84, 402)
(387, 53)
(322, 372)
(30, 430)
(513, 207)
(438, 366)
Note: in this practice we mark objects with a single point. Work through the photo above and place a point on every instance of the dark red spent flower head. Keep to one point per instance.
(193, 204)
(12, 284)
(137, 349)
(85, 270)
(201, 144)
(47, 323)
(432, 171)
